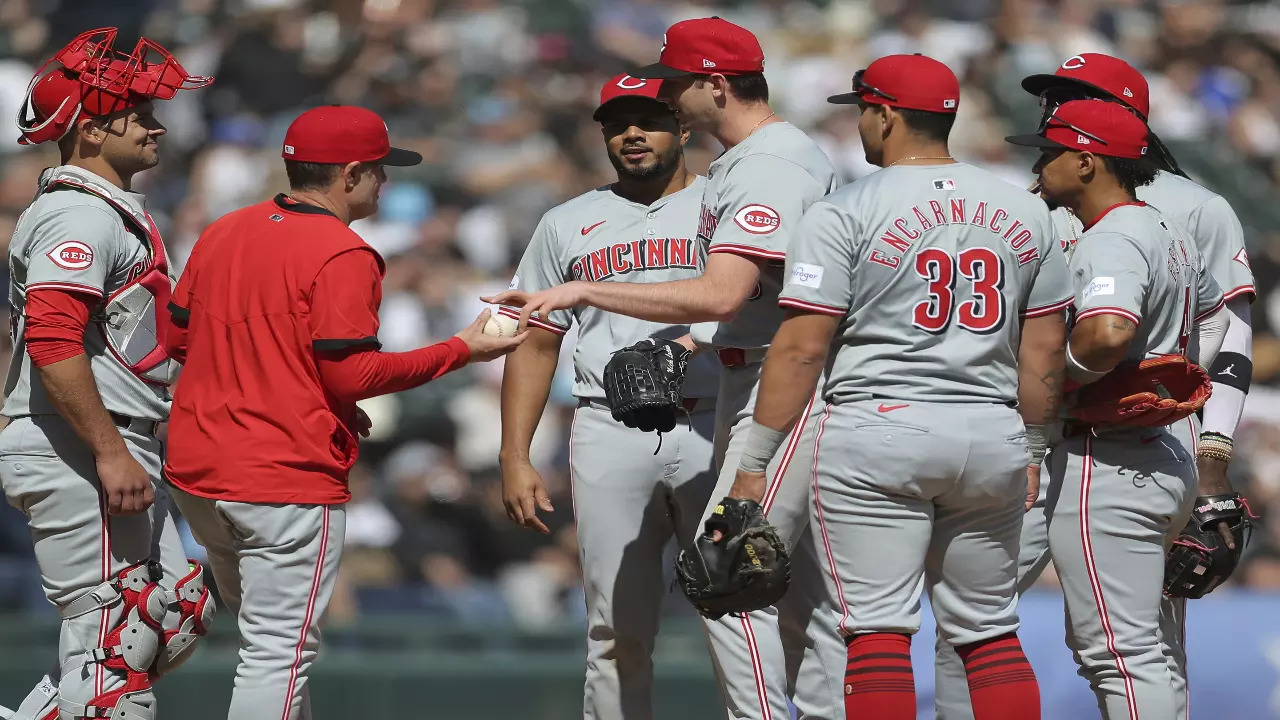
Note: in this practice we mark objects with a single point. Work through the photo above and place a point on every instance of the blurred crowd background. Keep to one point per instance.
(497, 96)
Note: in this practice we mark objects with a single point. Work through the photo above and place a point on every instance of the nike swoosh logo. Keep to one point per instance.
(586, 230)
(888, 408)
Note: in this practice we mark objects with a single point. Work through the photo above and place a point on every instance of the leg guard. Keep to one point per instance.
(139, 605)
(190, 613)
(40, 704)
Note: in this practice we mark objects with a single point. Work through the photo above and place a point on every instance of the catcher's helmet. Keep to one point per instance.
(88, 78)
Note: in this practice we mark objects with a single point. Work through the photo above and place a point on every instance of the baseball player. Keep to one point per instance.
(629, 500)
(1216, 232)
(1120, 493)
(712, 74)
(943, 291)
(88, 385)
(275, 320)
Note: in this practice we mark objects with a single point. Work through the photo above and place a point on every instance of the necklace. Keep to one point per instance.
(920, 157)
(757, 125)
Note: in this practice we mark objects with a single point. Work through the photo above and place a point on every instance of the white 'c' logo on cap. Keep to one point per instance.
(626, 82)
(1075, 62)
(664, 43)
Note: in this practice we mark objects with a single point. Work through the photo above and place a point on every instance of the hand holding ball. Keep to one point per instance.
(501, 326)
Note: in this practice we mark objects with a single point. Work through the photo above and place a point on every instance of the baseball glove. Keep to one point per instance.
(748, 569)
(1199, 560)
(642, 384)
(1152, 393)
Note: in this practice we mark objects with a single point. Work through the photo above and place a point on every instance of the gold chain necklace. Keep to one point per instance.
(757, 125)
(920, 157)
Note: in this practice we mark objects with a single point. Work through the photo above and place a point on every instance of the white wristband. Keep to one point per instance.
(1080, 373)
(762, 444)
(1037, 443)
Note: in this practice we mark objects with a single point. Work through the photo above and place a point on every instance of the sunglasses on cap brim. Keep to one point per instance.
(860, 90)
(1039, 140)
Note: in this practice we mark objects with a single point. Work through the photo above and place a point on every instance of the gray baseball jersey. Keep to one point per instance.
(1134, 263)
(933, 265)
(75, 240)
(756, 193)
(602, 237)
(1204, 214)
(928, 269)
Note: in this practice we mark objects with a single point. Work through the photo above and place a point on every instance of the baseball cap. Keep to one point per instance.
(340, 134)
(624, 85)
(703, 46)
(1097, 126)
(1099, 73)
(913, 82)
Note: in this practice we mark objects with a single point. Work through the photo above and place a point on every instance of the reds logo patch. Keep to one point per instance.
(758, 219)
(72, 255)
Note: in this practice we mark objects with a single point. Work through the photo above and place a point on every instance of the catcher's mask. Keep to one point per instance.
(90, 78)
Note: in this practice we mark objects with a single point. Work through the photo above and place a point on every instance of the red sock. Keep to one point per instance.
(878, 683)
(1002, 685)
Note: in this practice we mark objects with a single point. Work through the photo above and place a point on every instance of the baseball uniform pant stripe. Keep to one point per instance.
(1181, 604)
(1086, 480)
(792, 443)
(757, 668)
(104, 613)
(308, 617)
(822, 526)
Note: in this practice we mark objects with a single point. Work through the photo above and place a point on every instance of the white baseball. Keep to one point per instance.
(501, 326)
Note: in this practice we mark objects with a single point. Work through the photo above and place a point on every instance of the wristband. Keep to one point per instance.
(1214, 446)
(1037, 443)
(1080, 373)
(762, 444)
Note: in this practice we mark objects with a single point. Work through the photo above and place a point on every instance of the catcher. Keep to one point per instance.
(1148, 318)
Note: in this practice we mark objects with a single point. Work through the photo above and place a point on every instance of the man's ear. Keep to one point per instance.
(684, 135)
(351, 174)
(90, 132)
(1087, 165)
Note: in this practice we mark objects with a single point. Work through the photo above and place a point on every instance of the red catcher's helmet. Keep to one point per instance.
(91, 78)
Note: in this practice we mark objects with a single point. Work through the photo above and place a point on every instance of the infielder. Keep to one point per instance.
(88, 385)
(943, 291)
(629, 500)
(1215, 230)
(1120, 494)
(712, 74)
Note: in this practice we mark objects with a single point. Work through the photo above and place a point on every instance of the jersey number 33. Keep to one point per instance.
(983, 271)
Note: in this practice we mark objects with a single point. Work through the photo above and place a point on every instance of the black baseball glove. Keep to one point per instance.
(642, 384)
(748, 569)
(1199, 560)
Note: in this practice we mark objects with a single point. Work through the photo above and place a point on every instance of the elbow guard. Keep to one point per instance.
(1233, 370)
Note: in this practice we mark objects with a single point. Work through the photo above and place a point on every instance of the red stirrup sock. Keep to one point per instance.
(1002, 685)
(878, 684)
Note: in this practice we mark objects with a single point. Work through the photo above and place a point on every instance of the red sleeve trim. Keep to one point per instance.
(747, 251)
(1242, 290)
(1043, 310)
(514, 314)
(1128, 314)
(812, 307)
(1214, 309)
(72, 287)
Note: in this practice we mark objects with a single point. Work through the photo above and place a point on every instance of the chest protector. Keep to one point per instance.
(133, 319)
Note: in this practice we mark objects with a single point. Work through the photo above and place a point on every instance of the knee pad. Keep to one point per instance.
(193, 606)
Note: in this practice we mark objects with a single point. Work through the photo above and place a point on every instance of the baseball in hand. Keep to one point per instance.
(501, 326)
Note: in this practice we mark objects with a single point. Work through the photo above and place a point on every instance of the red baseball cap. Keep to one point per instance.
(1097, 126)
(703, 46)
(624, 85)
(340, 134)
(1096, 73)
(913, 82)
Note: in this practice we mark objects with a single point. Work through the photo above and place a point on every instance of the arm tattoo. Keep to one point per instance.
(1053, 382)
(1121, 324)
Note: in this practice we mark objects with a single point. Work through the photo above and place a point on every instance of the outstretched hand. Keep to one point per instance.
(541, 304)
(487, 347)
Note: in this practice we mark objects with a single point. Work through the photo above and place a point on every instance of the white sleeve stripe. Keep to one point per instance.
(74, 287)
(1090, 312)
(748, 250)
(1211, 311)
(812, 307)
(1237, 292)
(514, 314)
(1048, 309)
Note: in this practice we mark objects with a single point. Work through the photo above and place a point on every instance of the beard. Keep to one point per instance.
(663, 165)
